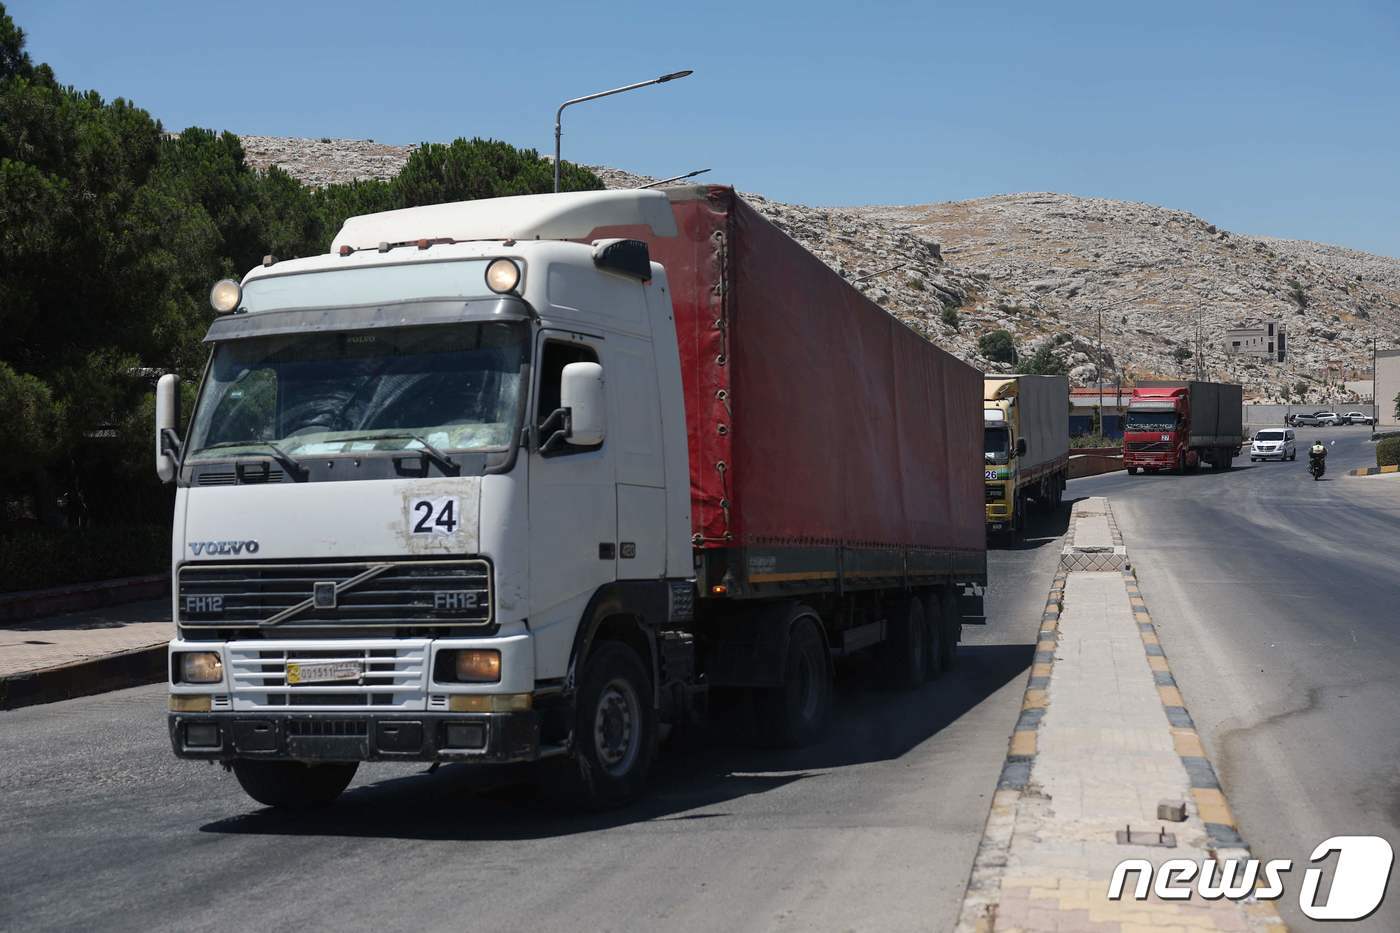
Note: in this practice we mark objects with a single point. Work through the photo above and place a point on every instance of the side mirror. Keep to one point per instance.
(167, 424)
(1020, 446)
(581, 392)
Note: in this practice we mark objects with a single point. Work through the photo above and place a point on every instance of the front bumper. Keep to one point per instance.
(1150, 461)
(415, 736)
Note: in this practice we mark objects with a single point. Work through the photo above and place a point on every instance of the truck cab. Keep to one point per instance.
(1156, 429)
(413, 466)
(1000, 447)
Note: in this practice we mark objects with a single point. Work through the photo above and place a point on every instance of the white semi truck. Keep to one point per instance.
(487, 483)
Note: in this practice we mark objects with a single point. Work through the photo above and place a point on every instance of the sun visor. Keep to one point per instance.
(367, 317)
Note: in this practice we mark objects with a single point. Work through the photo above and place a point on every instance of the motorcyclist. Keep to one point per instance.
(1317, 459)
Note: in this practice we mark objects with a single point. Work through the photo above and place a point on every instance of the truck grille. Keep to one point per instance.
(394, 677)
(1144, 447)
(995, 492)
(367, 594)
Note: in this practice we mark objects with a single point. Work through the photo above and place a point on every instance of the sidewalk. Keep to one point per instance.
(1104, 738)
(75, 654)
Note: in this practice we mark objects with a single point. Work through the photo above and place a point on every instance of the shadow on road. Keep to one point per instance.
(703, 769)
(1042, 528)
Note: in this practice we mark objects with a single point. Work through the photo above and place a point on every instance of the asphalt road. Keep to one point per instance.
(1277, 599)
(875, 828)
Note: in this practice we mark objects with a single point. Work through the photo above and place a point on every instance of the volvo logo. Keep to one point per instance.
(212, 548)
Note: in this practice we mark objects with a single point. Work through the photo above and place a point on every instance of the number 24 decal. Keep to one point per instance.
(435, 516)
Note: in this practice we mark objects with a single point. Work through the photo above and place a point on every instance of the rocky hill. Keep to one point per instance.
(1112, 288)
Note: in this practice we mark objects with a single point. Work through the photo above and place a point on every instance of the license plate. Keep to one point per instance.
(324, 673)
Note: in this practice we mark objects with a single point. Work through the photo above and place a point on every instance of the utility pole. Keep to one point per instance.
(1375, 386)
(1098, 369)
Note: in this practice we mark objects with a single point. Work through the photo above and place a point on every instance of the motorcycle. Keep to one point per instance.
(1317, 465)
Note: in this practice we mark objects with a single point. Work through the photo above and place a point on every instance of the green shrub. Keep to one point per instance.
(1045, 363)
(998, 346)
(1388, 451)
(1095, 440)
(36, 558)
(950, 317)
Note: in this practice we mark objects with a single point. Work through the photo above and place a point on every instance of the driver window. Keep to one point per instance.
(555, 357)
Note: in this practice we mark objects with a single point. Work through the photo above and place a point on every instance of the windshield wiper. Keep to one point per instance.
(278, 454)
(442, 459)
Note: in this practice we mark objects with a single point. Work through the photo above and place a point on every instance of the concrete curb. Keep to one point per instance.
(979, 908)
(84, 678)
(978, 912)
(33, 604)
(1373, 471)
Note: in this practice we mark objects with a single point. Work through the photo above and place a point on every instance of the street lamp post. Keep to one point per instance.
(558, 114)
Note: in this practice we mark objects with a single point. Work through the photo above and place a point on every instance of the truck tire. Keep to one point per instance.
(798, 712)
(932, 605)
(292, 785)
(950, 627)
(615, 731)
(906, 643)
(1132, 471)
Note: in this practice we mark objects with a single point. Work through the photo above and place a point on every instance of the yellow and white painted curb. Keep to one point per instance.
(1088, 900)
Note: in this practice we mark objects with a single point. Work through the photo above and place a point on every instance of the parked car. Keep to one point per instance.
(1273, 444)
(1314, 419)
(1356, 417)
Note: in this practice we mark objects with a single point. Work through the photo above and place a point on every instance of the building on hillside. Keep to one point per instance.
(1082, 405)
(1265, 341)
(1387, 386)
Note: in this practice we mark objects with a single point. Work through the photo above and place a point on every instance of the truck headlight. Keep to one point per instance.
(201, 667)
(468, 666)
(502, 276)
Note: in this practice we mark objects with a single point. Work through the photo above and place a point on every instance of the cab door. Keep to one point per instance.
(572, 508)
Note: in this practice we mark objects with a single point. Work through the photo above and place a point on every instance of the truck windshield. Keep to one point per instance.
(1151, 420)
(996, 445)
(455, 387)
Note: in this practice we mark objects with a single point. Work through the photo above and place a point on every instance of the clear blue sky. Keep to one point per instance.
(1269, 117)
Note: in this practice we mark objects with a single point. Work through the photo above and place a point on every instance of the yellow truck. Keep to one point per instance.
(1025, 446)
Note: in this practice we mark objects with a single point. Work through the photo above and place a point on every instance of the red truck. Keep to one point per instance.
(1180, 425)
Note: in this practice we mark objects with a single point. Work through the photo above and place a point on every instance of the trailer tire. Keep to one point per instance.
(798, 712)
(294, 785)
(615, 729)
(906, 644)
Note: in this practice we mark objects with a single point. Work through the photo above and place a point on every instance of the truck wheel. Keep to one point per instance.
(950, 628)
(615, 730)
(798, 712)
(931, 605)
(293, 785)
(1132, 471)
(906, 657)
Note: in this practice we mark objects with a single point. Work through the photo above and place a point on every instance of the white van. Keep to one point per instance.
(1273, 443)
